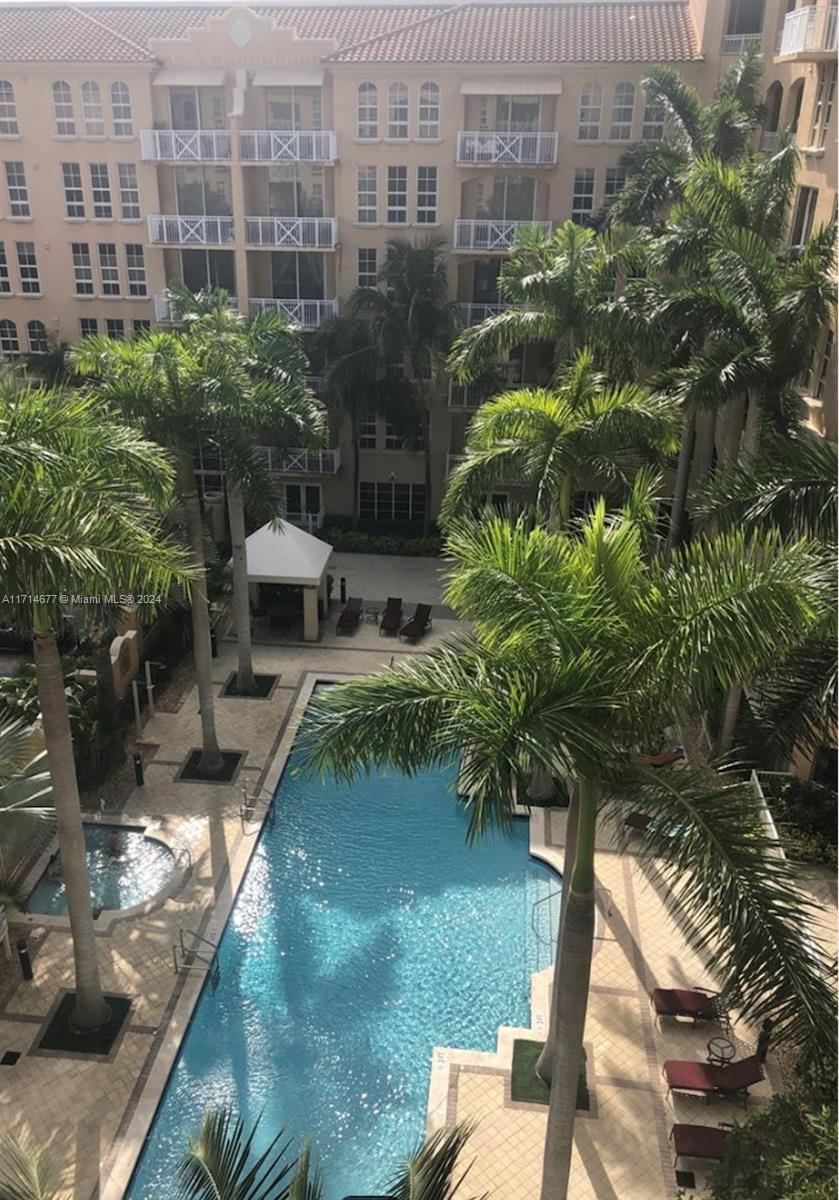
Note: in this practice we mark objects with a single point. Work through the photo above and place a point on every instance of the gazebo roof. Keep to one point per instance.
(282, 553)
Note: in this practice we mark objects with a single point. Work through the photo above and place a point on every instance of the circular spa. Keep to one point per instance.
(124, 866)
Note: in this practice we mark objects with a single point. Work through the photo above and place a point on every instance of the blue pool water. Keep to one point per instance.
(366, 932)
(120, 876)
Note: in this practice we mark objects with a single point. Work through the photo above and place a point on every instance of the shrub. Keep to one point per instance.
(805, 815)
(355, 542)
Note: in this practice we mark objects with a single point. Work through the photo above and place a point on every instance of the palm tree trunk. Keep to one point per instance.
(245, 681)
(355, 470)
(572, 1002)
(703, 449)
(211, 759)
(90, 1010)
(728, 718)
(751, 434)
(426, 518)
(735, 411)
(545, 1064)
(680, 484)
(566, 496)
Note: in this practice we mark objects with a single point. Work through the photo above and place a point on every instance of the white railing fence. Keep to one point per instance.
(810, 28)
(184, 145)
(320, 233)
(286, 145)
(497, 147)
(736, 43)
(190, 230)
(492, 233)
(308, 313)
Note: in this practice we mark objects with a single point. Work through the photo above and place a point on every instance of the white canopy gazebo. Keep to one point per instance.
(282, 553)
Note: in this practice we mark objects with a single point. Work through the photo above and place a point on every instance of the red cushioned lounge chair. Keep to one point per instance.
(695, 1003)
(706, 1079)
(697, 1141)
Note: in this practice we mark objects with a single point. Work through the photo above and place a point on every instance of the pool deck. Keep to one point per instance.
(92, 1115)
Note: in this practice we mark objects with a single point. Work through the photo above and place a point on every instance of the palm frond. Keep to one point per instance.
(220, 1162)
(433, 1172)
(25, 1172)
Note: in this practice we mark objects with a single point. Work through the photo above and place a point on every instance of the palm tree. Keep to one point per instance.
(414, 323)
(169, 388)
(584, 650)
(546, 441)
(26, 1172)
(265, 399)
(79, 514)
(24, 786)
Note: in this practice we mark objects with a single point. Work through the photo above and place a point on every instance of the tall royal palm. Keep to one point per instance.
(414, 323)
(549, 442)
(262, 398)
(584, 650)
(79, 515)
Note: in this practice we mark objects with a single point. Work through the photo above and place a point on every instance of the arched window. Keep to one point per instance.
(92, 115)
(8, 338)
(397, 111)
(62, 103)
(623, 107)
(368, 111)
(8, 110)
(121, 110)
(428, 116)
(796, 95)
(774, 99)
(591, 108)
(36, 332)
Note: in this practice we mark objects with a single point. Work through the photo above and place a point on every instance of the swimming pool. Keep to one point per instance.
(366, 932)
(124, 867)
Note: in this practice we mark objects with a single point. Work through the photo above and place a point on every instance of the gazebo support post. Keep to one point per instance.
(311, 625)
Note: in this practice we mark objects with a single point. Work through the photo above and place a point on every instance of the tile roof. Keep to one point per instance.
(564, 31)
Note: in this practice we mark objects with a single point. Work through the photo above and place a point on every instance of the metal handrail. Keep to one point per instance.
(542, 900)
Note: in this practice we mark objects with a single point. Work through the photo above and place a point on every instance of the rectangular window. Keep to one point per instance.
(367, 432)
(140, 327)
(823, 108)
(391, 501)
(82, 269)
(428, 114)
(18, 193)
(5, 281)
(8, 110)
(88, 326)
(802, 218)
(121, 110)
(426, 195)
(302, 501)
(129, 192)
(591, 109)
(27, 263)
(368, 201)
(101, 185)
(393, 438)
(582, 201)
(623, 106)
(652, 124)
(136, 265)
(397, 195)
(71, 174)
(615, 180)
(108, 269)
(397, 111)
(92, 115)
(115, 328)
(368, 271)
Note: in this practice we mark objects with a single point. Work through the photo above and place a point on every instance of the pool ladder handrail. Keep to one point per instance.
(249, 806)
(194, 959)
(550, 940)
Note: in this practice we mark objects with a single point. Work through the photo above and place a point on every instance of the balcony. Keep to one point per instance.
(306, 313)
(190, 231)
(292, 233)
(302, 461)
(184, 145)
(281, 145)
(810, 32)
(770, 140)
(736, 43)
(492, 235)
(163, 310)
(497, 148)
(473, 312)
(468, 396)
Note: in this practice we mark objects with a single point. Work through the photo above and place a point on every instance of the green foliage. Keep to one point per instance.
(784, 1151)
(805, 815)
(26, 1172)
(354, 542)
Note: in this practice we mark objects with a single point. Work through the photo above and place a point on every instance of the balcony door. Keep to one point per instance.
(293, 108)
(295, 190)
(485, 281)
(203, 191)
(296, 275)
(517, 114)
(197, 108)
(302, 500)
(206, 270)
(508, 197)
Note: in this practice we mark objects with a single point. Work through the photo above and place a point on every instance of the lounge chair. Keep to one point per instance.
(350, 617)
(697, 1141)
(706, 1079)
(392, 615)
(419, 622)
(696, 1003)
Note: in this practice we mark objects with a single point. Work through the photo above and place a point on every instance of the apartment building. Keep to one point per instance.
(274, 149)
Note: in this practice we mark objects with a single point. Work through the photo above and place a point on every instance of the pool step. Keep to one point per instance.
(192, 952)
(543, 904)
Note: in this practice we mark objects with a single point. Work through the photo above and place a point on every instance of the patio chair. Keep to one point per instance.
(696, 1003)
(350, 617)
(698, 1141)
(392, 616)
(706, 1079)
(419, 622)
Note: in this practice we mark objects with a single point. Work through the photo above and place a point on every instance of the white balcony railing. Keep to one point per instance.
(770, 140)
(495, 147)
(306, 313)
(286, 145)
(473, 312)
(736, 43)
(300, 461)
(190, 231)
(491, 233)
(466, 395)
(293, 233)
(810, 28)
(184, 145)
